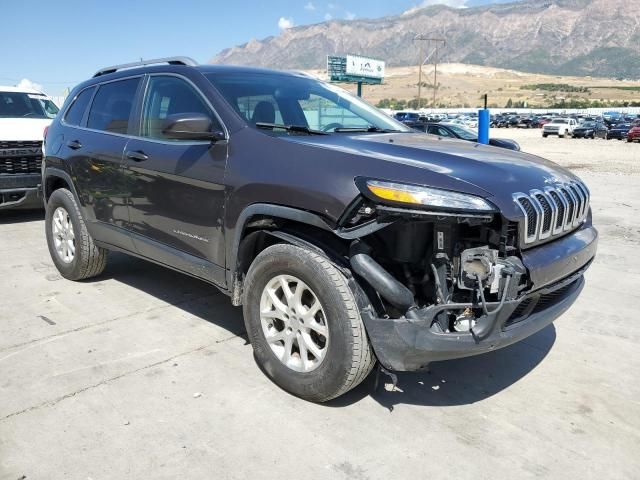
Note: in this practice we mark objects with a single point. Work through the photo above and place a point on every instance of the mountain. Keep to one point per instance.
(564, 37)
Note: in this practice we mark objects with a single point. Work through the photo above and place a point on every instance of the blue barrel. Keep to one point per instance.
(483, 126)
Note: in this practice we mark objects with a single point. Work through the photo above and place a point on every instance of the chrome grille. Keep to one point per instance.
(553, 211)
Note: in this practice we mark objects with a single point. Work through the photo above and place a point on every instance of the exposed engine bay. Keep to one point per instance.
(456, 269)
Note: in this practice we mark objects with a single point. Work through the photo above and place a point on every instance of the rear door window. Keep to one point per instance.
(112, 106)
(76, 111)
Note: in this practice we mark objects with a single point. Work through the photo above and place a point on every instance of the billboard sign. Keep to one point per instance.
(364, 67)
(355, 69)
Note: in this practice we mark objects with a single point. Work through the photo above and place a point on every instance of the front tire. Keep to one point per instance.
(304, 324)
(72, 249)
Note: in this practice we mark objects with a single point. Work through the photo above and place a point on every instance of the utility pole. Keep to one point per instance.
(437, 42)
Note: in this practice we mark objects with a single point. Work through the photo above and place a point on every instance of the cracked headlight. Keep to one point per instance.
(426, 196)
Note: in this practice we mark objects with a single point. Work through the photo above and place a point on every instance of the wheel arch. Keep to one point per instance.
(54, 179)
(262, 225)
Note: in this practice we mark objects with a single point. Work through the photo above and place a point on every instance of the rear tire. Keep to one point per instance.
(72, 249)
(347, 358)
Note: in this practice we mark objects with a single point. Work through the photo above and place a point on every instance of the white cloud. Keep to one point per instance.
(349, 15)
(285, 23)
(428, 3)
(28, 84)
(310, 6)
(327, 17)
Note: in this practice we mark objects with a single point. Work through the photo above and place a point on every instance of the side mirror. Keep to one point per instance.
(190, 126)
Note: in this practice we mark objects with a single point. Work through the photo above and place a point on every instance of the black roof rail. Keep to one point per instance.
(170, 60)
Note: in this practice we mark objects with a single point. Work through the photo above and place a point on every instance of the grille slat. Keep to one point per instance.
(546, 224)
(553, 211)
(18, 157)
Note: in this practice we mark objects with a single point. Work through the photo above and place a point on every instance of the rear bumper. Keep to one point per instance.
(20, 192)
(410, 344)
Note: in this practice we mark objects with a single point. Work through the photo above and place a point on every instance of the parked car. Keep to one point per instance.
(543, 121)
(562, 127)
(612, 118)
(512, 121)
(528, 122)
(453, 130)
(407, 117)
(589, 129)
(634, 133)
(24, 114)
(619, 131)
(501, 122)
(348, 238)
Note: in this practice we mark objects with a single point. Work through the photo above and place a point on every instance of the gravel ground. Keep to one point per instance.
(583, 156)
(145, 373)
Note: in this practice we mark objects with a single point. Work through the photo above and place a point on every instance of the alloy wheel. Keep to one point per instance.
(64, 239)
(294, 323)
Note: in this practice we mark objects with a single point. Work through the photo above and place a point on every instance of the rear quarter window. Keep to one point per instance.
(76, 111)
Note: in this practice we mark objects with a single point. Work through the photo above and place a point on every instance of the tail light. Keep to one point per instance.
(44, 134)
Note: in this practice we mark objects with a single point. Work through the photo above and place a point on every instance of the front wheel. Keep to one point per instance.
(304, 324)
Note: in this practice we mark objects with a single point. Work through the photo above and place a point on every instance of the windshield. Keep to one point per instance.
(291, 100)
(589, 124)
(464, 133)
(559, 120)
(26, 105)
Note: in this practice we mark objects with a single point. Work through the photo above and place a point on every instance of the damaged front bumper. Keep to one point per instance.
(410, 344)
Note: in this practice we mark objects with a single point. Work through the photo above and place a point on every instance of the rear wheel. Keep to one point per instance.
(304, 325)
(72, 249)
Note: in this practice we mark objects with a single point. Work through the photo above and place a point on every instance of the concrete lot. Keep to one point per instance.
(145, 373)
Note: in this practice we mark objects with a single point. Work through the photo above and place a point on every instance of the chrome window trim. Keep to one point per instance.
(166, 142)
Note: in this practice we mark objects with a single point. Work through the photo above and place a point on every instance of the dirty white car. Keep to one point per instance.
(563, 127)
(24, 114)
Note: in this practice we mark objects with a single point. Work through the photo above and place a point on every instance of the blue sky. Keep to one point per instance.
(57, 44)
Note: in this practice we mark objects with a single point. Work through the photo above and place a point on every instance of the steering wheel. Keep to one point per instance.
(28, 114)
(331, 126)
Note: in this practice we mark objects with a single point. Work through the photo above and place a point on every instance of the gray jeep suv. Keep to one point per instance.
(348, 238)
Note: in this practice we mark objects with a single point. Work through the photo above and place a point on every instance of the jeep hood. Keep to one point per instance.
(22, 129)
(417, 158)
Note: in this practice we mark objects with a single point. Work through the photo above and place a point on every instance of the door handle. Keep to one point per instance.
(137, 156)
(74, 144)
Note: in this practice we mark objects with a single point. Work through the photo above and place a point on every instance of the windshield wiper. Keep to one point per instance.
(365, 129)
(289, 128)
